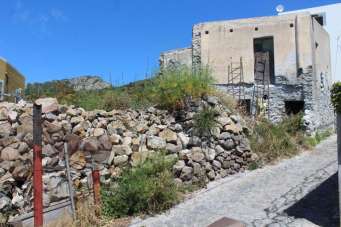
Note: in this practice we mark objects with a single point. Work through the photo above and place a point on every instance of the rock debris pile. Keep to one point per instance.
(114, 140)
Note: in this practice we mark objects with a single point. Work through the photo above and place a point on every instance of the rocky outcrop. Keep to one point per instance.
(87, 83)
(113, 140)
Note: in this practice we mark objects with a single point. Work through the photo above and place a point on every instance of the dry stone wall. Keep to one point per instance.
(114, 139)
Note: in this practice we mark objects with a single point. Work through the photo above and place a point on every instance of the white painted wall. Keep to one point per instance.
(333, 26)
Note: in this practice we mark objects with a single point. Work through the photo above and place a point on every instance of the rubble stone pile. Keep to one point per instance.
(112, 140)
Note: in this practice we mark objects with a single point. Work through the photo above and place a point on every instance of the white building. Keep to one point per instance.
(330, 17)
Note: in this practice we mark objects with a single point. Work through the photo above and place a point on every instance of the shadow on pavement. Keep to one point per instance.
(319, 206)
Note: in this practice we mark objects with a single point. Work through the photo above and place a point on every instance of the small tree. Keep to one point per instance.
(336, 96)
(336, 100)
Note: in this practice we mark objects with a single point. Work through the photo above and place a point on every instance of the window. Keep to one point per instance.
(256, 28)
(291, 25)
(207, 32)
(231, 30)
(320, 18)
(294, 107)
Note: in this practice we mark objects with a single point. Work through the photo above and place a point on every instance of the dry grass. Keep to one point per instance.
(86, 216)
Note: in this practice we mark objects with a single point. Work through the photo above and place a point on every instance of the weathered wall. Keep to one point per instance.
(218, 45)
(15, 79)
(176, 57)
(321, 79)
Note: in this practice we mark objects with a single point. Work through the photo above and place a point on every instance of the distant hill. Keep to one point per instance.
(59, 88)
(87, 83)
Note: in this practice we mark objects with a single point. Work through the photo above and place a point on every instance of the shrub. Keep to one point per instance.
(336, 96)
(272, 142)
(147, 188)
(172, 88)
(205, 121)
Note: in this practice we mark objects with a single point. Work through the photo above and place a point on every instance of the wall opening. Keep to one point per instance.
(319, 18)
(294, 107)
(264, 60)
(245, 105)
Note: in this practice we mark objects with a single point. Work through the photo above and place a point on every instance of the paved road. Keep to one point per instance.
(296, 192)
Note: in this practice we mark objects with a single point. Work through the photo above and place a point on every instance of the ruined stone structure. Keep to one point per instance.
(296, 70)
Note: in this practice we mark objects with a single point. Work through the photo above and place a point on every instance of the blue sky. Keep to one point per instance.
(47, 39)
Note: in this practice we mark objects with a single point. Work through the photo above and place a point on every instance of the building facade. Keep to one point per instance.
(281, 63)
(12, 82)
(329, 17)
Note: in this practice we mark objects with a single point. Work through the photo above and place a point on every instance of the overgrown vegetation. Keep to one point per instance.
(169, 89)
(204, 121)
(275, 141)
(147, 188)
(336, 96)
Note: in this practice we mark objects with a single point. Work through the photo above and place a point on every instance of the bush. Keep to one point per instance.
(272, 142)
(336, 96)
(147, 188)
(205, 121)
(172, 88)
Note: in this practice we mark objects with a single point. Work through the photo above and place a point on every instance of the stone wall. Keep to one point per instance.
(114, 139)
(176, 58)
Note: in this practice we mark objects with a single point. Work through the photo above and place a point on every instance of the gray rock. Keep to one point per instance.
(225, 135)
(5, 129)
(90, 144)
(179, 165)
(120, 160)
(212, 100)
(122, 150)
(171, 148)
(184, 139)
(228, 144)
(156, 143)
(99, 132)
(224, 120)
(168, 135)
(9, 154)
(49, 150)
(105, 142)
(197, 154)
(194, 141)
(211, 175)
(210, 154)
(5, 203)
(185, 154)
(216, 164)
(186, 173)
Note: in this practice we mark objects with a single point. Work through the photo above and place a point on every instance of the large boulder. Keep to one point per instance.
(48, 104)
(9, 154)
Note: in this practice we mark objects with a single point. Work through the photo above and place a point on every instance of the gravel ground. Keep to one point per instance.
(301, 191)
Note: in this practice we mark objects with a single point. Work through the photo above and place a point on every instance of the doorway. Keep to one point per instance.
(264, 60)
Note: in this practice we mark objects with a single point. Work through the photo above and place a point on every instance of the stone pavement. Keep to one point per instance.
(301, 191)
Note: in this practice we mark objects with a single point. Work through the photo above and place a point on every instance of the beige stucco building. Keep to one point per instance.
(12, 82)
(286, 56)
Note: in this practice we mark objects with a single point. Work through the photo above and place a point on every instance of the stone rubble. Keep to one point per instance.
(114, 139)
